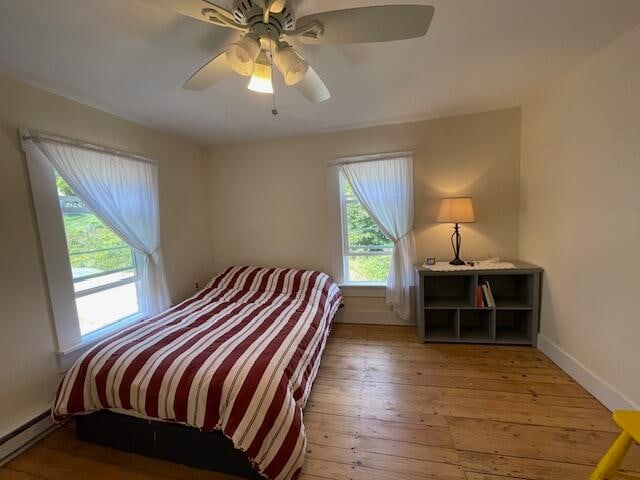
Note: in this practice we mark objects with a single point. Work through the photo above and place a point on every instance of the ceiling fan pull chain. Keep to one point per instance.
(274, 110)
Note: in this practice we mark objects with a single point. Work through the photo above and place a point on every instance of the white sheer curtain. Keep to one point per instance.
(123, 193)
(385, 189)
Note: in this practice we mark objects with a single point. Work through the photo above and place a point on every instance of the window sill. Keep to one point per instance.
(67, 357)
(363, 289)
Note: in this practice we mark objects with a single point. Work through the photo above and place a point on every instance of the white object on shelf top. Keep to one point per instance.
(446, 267)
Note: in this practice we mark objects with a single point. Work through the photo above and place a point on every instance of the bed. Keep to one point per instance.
(222, 377)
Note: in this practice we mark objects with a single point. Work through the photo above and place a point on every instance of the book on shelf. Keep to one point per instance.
(479, 297)
(487, 296)
(492, 300)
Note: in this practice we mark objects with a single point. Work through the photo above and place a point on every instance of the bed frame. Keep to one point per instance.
(165, 441)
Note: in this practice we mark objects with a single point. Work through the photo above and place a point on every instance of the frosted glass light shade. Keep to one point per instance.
(292, 65)
(261, 78)
(456, 210)
(242, 54)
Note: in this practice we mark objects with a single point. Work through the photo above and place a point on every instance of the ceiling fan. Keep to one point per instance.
(267, 26)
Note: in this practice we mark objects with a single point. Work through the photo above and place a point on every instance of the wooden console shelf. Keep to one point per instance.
(446, 308)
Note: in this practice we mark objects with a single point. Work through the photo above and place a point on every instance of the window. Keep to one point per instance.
(103, 267)
(366, 250)
(99, 281)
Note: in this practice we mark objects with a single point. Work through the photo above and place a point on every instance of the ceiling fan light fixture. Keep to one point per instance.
(261, 78)
(266, 24)
(242, 55)
(291, 64)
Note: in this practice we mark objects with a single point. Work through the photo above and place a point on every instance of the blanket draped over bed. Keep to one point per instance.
(239, 357)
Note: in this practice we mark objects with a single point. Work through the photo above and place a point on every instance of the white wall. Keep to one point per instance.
(28, 369)
(272, 202)
(580, 218)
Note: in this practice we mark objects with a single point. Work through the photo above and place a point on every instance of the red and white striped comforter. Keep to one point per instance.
(240, 357)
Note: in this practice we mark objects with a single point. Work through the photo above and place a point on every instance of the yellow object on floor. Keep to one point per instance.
(608, 467)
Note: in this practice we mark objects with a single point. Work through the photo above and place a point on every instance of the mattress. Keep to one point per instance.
(239, 357)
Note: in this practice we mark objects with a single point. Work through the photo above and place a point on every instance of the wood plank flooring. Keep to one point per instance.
(385, 407)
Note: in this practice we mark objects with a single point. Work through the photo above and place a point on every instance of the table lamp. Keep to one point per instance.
(456, 210)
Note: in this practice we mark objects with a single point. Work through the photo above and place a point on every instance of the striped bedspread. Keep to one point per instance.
(239, 357)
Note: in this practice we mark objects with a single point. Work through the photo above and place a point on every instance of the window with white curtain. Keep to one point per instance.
(97, 211)
(366, 250)
(378, 245)
(104, 268)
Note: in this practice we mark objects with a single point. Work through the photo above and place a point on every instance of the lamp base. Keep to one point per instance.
(456, 241)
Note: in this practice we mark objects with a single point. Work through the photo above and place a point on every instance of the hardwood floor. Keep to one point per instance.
(387, 408)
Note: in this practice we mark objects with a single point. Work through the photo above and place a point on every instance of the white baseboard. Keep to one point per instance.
(16, 441)
(380, 317)
(596, 386)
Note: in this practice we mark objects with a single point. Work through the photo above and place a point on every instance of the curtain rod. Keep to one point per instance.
(30, 135)
(367, 158)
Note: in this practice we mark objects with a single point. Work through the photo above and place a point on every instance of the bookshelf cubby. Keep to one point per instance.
(451, 291)
(476, 325)
(443, 324)
(514, 326)
(447, 311)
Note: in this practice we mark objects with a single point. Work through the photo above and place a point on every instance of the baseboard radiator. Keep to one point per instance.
(22, 437)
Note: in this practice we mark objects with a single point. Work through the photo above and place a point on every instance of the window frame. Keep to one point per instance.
(344, 229)
(58, 277)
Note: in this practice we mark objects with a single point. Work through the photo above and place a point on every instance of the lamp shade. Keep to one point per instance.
(456, 210)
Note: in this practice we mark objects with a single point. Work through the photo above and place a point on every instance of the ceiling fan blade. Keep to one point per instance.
(313, 88)
(277, 6)
(209, 74)
(191, 8)
(270, 6)
(369, 24)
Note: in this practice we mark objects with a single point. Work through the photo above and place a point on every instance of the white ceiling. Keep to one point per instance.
(130, 58)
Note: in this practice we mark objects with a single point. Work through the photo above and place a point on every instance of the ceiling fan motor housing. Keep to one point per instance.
(248, 12)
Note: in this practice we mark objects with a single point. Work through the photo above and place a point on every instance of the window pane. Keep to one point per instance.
(98, 259)
(93, 247)
(363, 234)
(101, 309)
(348, 191)
(368, 250)
(370, 268)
